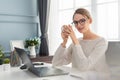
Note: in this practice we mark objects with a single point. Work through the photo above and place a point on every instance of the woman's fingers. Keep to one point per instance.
(63, 28)
(70, 28)
(64, 37)
(66, 30)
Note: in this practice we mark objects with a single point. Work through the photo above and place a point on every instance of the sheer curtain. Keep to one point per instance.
(104, 12)
(108, 19)
(53, 30)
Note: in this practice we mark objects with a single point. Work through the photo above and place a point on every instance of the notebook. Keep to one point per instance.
(39, 71)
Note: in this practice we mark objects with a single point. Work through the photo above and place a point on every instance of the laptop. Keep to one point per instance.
(39, 71)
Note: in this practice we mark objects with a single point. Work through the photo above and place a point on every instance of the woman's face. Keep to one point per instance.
(81, 23)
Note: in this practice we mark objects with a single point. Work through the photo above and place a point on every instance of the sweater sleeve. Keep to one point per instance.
(87, 63)
(62, 56)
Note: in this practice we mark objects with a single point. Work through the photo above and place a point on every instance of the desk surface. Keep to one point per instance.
(16, 73)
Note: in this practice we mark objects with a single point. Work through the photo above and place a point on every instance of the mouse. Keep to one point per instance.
(38, 63)
(23, 67)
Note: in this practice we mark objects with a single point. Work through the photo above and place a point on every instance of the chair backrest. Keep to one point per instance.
(113, 53)
(16, 43)
(113, 59)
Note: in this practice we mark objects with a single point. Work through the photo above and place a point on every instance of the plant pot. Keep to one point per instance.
(1, 68)
(6, 67)
(32, 51)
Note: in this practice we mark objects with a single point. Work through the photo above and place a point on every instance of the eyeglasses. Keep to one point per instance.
(81, 21)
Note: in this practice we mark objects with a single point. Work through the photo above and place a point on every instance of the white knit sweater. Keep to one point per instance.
(89, 55)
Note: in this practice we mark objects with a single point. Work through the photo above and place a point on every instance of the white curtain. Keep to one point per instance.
(53, 24)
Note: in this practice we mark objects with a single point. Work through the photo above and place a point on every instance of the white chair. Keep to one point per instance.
(113, 59)
(16, 43)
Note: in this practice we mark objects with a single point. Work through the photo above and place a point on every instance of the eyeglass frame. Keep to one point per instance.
(80, 22)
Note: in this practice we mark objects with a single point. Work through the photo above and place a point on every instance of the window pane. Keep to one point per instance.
(108, 20)
(65, 4)
(79, 3)
(102, 1)
(65, 17)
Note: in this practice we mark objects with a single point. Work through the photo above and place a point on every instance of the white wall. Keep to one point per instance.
(18, 20)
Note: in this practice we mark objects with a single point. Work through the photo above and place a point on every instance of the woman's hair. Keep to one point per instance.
(83, 12)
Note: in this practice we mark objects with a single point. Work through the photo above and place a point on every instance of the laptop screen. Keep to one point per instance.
(24, 56)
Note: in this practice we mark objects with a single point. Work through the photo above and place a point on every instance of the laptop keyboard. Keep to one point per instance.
(48, 71)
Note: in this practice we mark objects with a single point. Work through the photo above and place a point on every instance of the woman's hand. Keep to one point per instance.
(71, 33)
(64, 35)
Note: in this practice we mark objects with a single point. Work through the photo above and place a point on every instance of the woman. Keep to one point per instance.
(87, 54)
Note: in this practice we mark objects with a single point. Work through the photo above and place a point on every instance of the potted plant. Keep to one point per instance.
(31, 44)
(1, 55)
(6, 63)
(1, 58)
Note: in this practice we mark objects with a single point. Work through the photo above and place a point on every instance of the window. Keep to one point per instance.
(104, 13)
(107, 17)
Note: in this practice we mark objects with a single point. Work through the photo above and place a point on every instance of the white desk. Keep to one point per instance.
(16, 73)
